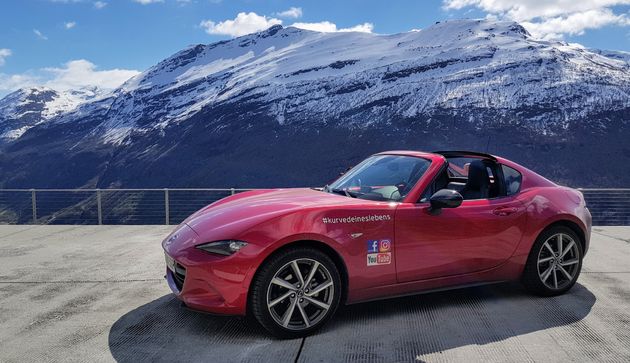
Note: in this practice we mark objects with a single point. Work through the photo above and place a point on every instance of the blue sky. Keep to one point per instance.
(69, 43)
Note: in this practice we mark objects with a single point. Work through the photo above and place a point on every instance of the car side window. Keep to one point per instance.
(512, 179)
(502, 180)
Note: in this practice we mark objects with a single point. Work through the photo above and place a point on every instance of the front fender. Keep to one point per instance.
(267, 251)
(347, 239)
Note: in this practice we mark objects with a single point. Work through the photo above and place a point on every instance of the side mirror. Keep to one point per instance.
(444, 198)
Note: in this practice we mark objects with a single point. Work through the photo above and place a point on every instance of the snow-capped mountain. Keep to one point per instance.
(249, 111)
(27, 107)
(306, 76)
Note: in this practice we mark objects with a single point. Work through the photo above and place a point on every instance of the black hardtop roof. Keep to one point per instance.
(462, 154)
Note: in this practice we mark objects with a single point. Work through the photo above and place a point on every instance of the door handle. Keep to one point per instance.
(505, 211)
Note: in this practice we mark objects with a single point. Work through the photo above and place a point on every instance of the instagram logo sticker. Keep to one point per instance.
(384, 245)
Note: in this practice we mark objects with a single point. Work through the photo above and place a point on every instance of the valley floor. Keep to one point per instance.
(96, 293)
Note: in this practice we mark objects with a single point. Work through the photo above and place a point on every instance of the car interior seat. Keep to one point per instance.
(456, 186)
(477, 185)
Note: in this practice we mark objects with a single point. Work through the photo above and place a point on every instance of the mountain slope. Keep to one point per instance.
(303, 75)
(292, 107)
(28, 107)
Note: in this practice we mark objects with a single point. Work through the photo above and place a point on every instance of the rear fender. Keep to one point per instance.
(546, 206)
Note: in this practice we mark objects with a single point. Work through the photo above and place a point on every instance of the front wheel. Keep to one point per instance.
(296, 292)
(554, 262)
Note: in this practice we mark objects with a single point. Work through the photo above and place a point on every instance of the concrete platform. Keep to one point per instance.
(96, 293)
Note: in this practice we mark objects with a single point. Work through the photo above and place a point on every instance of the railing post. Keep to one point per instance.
(99, 207)
(34, 205)
(232, 191)
(167, 211)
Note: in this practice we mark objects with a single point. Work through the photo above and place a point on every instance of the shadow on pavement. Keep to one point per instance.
(394, 329)
(163, 330)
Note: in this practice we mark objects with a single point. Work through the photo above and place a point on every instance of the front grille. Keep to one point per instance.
(179, 275)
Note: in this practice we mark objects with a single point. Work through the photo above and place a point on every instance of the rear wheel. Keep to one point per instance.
(554, 262)
(296, 292)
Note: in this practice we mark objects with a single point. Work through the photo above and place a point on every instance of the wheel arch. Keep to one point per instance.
(530, 276)
(572, 226)
(315, 244)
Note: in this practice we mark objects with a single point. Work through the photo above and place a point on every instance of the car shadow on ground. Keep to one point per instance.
(164, 331)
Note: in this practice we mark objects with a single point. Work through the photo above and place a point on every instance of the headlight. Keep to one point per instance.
(225, 248)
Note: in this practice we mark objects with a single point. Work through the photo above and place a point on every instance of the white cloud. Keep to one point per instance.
(70, 24)
(291, 12)
(146, 2)
(328, 27)
(322, 26)
(362, 28)
(244, 23)
(521, 10)
(4, 53)
(72, 75)
(550, 19)
(100, 4)
(13, 82)
(40, 35)
(81, 73)
(574, 24)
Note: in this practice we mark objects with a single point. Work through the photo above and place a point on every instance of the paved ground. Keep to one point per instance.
(95, 293)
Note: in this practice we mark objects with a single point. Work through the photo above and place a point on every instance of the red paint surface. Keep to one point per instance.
(480, 241)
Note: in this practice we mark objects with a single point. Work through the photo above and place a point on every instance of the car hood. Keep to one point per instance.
(233, 214)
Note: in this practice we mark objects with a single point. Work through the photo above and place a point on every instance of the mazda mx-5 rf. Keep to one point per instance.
(398, 223)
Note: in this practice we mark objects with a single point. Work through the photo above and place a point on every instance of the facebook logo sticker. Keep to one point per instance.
(372, 246)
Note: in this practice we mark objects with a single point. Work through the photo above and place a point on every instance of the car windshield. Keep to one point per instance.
(381, 177)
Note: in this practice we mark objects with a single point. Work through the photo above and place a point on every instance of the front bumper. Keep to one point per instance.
(203, 281)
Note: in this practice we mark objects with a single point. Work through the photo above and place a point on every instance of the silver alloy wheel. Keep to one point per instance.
(300, 294)
(558, 261)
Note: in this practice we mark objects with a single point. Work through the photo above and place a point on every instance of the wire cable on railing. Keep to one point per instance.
(171, 206)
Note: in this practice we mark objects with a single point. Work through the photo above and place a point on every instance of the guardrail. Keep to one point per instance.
(608, 206)
(105, 206)
(171, 205)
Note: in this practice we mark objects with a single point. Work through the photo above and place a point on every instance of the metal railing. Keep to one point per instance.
(105, 206)
(172, 205)
(609, 207)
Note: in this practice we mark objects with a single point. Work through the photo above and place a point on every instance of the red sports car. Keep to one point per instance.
(398, 223)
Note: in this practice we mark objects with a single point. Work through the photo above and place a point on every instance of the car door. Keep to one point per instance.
(477, 235)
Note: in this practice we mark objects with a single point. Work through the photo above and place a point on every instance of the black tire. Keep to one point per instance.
(264, 292)
(535, 270)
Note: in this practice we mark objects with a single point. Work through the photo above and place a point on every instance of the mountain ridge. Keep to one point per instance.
(302, 89)
(30, 106)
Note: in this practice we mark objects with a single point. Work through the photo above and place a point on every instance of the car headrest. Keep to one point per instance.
(477, 175)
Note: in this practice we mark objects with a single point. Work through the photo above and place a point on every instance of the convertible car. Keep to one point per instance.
(398, 223)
